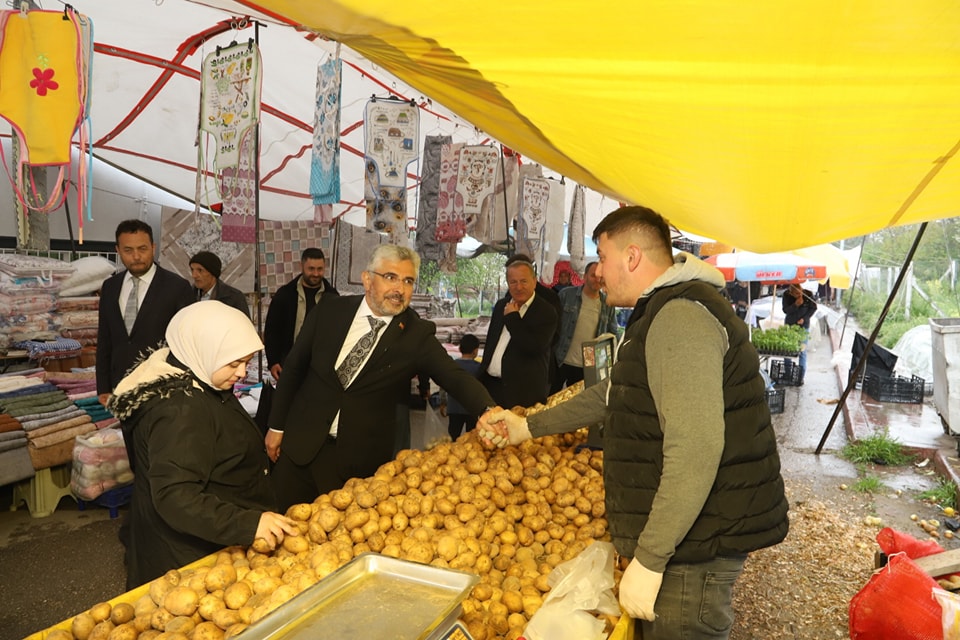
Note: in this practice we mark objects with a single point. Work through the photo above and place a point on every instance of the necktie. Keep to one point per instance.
(130, 311)
(351, 364)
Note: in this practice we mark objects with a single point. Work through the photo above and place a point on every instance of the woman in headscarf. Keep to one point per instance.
(201, 473)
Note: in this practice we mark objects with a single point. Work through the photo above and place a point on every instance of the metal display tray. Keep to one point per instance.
(372, 597)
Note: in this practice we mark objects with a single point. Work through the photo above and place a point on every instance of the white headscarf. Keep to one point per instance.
(208, 335)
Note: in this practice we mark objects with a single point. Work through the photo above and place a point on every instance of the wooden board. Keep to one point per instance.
(940, 564)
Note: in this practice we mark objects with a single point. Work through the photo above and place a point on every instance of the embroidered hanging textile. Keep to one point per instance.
(391, 128)
(576, 230)
(427, 245)
(553, 231)
(449, 202)
(229, 112)
(476, 177)
(325, 161)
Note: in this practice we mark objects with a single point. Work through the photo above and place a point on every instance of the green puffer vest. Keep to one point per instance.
(746, 508)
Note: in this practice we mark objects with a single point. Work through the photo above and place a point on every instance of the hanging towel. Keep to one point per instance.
(325, 160)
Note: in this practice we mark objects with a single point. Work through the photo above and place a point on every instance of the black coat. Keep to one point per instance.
(230, 296)
(525, 367)
(309, 394)
(282, 319)
(116, 351)
(201, 480)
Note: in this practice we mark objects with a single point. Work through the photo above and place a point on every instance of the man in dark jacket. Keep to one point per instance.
(691, 469)
(290, 305)
(159, 295)
(516, 354)
(205, 269)
(335, 410)
(798, 310)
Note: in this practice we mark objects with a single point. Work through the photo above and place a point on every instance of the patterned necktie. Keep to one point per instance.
(351, 364)
(130, 311)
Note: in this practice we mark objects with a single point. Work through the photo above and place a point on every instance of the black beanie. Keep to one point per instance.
(208, 261)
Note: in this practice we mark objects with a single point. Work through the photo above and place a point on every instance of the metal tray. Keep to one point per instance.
(372, 597)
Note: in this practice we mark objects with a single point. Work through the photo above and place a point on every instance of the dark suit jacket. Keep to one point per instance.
(309, 394)
(116, 351)
(526, 362)
(230, 296)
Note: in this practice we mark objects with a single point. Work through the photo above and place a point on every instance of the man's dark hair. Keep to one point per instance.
(586, 269)
(312, 253)
(640, 219)
(469, 343)
(134, 226)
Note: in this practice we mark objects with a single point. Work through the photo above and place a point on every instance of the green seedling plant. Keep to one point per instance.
(877, 449)
(868, 484)
(944, 494)
(779, 340)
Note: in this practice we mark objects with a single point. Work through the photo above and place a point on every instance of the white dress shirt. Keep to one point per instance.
(495, 368)
(127, 287)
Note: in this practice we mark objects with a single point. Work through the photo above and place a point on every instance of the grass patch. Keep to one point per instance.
(944, 494)
(868, 484)
(877, 449)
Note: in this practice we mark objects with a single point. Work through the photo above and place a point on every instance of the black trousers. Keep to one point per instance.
(293, 483)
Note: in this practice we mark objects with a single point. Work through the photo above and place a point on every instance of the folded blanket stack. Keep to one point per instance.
(29, 286)
(15, 464)
(49, 419)
(53, 349)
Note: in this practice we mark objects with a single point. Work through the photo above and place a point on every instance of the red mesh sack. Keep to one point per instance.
(892, 542)
(896, 604)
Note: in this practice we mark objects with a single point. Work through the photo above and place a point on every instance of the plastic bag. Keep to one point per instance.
(100, 463)
(434, 429)
(577, 587)
(950, 618)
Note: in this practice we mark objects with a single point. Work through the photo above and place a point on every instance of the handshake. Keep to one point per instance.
(499, 427)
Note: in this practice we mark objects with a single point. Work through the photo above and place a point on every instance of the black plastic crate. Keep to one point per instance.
(786, 372)
(775, 400)
(894, 388)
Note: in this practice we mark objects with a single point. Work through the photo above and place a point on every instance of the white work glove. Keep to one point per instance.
(500, 427)
(638, 591)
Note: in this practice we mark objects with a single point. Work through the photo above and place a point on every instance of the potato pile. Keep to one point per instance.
(509, 516)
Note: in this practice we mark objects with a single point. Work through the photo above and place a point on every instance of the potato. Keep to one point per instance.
(296, 544)
(181, 601)
(181, 624)
(144, 604)
(209, 605)
(300, 511)
(220, 576)
(150, 634)
(159, 589)
(356, 519)
(207, 631)
(160, 617)
(82, 626)
(260, 545)
(341, 498)
(237, 594)
(60, 634)
(225, 618)
(100, 611)
(102, 630)
(122, 612)
(143, 622)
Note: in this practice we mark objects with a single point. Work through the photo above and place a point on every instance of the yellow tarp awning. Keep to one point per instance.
(764, 125)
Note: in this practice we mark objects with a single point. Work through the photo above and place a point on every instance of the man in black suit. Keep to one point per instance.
(160, 294)
(205, 269)
(516, 354)
(335, 409)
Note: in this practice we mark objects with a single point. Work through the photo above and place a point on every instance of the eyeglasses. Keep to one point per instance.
(393, 278)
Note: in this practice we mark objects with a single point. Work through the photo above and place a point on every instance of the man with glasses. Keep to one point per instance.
(334, 414)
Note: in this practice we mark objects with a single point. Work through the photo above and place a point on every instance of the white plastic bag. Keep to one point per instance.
(577, 588)
(434, 429)
(950, 606)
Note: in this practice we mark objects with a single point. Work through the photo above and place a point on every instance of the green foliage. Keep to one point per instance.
(868, 484)
(783, 339)
(944, 494)
(477, 283)
(877, 449)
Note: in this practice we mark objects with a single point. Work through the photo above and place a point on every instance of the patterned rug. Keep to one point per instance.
(427, 245)
(391, 128)
(353, 247)
(281, 243)
(184, 233)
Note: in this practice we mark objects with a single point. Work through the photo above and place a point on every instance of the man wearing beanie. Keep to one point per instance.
(205, 268)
